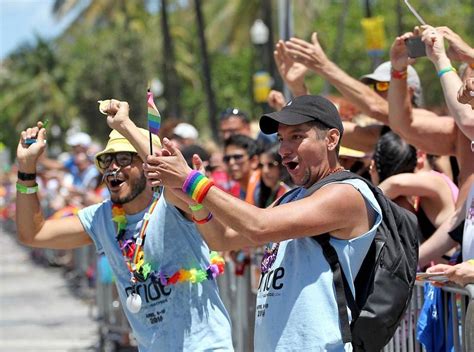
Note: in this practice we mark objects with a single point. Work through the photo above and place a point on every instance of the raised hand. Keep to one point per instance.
(28, 154)
(291, 72)
(399, 52)
(458, 49)
(434, 43)
(276, 100)
(168, 170)
(117, 114)
(311, 54)
(466, 92)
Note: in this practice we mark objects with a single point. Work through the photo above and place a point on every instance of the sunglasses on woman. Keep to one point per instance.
(380, 87)
(122, 159)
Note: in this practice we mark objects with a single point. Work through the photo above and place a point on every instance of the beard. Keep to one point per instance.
(136, 188)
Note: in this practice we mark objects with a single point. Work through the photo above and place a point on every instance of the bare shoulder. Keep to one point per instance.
(349, 207)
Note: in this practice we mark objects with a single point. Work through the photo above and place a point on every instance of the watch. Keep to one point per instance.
(26, 177)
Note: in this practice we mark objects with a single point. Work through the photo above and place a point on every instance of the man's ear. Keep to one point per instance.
(332, 138)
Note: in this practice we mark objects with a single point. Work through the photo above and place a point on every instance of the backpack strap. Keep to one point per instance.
(344, 296)
(343, 293)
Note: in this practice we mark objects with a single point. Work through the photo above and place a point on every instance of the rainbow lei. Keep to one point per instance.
(134, 255)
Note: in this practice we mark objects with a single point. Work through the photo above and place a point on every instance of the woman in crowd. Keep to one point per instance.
(406, 177)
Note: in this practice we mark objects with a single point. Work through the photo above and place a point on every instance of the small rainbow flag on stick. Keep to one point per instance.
(154, 118)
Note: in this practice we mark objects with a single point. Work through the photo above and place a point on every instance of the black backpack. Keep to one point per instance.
(386, 278)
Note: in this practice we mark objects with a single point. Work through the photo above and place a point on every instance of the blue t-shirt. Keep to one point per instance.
(181, 317)
(296, 303)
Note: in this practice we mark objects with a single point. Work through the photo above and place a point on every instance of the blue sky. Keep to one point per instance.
(20, 20)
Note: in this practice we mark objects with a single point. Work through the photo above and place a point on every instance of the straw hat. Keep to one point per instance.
(118, 143)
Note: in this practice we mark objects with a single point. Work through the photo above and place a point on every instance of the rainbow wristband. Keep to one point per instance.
(197, 186)
(26, 190)
(203, 221)
(446, 70)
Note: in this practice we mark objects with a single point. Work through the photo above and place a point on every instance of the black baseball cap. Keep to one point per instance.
(305, 108)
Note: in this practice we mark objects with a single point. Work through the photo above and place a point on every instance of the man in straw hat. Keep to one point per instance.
(166, 282)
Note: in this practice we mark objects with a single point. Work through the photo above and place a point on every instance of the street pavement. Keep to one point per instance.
(38, 311)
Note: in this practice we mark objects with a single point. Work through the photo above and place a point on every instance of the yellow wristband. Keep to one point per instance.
(471, 261)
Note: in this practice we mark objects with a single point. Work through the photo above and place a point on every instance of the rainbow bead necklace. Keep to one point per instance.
(134, 255)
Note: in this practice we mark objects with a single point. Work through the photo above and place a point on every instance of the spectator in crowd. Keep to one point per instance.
(185, 134)
(289, 310)
(234, 121)
(425, 130)
(271, 185)
(459, 228)
(406, 177)
(168, 308)
(369, 95)
(450, 81)
(241, 159)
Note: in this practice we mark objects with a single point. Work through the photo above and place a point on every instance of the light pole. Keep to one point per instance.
(261, 80)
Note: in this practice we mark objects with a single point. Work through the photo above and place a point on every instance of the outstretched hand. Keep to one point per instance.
(170, 169)
(291, 72)
(28, 154)
(458, 49)
(309, 54)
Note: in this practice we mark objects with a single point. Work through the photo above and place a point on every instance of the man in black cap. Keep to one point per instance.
(296, 307)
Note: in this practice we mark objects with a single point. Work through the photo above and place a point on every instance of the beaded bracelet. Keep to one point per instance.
(398, 74)
(203, 221)
(26, 190)
(446, 70)
(196, 207)
(197, 186)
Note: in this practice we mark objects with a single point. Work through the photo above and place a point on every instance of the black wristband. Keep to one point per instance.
(26, 177)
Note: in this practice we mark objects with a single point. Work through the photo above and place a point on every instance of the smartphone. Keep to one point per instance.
(416, 47)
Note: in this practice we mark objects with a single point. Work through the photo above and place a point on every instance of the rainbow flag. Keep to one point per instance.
(154, 118)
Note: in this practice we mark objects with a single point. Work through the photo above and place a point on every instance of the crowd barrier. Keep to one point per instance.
(460, 300)
(236, 292)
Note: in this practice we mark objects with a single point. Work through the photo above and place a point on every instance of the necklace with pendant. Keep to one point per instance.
(132, 250)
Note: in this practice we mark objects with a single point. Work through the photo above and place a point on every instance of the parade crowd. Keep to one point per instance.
(168, 221)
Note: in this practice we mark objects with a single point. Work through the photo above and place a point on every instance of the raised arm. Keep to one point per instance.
(449, 79)
(421, 128)
(317, 214)
(361, 138)
(32, 229)
(312, 56)
(291, 72)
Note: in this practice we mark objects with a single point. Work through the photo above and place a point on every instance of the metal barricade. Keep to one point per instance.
(114, 330)
(461, 325)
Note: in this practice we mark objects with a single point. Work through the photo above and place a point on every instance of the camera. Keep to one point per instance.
(416, 48)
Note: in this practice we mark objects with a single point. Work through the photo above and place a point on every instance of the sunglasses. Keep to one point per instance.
(122, 159)
(237, 157)
(270, 165)
(379, 86)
